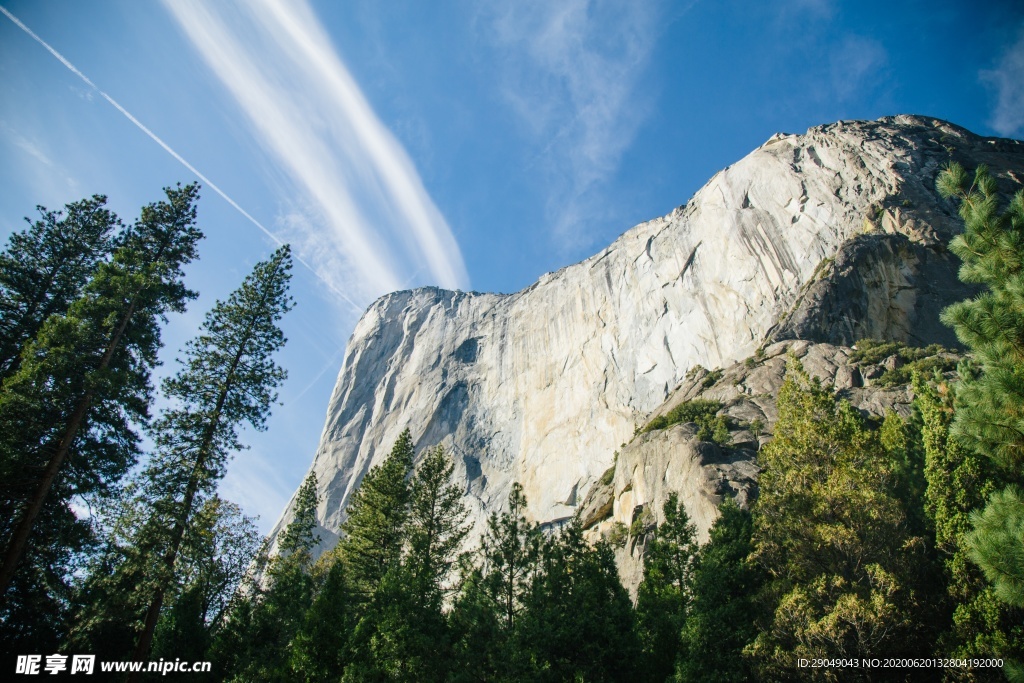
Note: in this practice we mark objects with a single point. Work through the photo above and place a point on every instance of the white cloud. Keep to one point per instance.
(28, 146)
(571, 76)
(371, 220)
(856, 65)
(1008, 80)
(50, 179)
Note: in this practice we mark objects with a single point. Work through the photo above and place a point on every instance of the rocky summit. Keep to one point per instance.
(829, 237)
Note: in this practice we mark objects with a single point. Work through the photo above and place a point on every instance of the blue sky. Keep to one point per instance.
(472, 145)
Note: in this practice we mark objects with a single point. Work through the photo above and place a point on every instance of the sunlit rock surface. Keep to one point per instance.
(831, 236)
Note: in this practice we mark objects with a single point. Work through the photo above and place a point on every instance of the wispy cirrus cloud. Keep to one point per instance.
(571, 74)
(1008, 80)
(856, 65)
(50, 179)
(362, 216)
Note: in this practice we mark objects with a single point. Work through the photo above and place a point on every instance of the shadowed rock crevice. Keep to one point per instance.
(880, 286)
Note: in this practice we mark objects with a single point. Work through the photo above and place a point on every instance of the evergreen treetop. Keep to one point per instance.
(45, 267)
(990, 411)
(437, 526)
(377, 516)
(299, 536)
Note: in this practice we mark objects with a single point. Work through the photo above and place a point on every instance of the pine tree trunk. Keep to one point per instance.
(19, 539)
(178, 534)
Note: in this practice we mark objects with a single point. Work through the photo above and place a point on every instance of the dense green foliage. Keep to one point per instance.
(720, 619)
(832, 537)
(376, 521)
(45, 267)
(989, 416)
(664, 594)
(267, 616)
(542, 609)
(704, 413)
(907, 360)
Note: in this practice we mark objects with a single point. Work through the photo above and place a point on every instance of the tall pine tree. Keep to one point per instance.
(720, 621)
(377, 517)
(81, 383)
(402, 631)
(256, 642)
(663, 596)
(436, 528)
(487, 612)
(229, 378)
(577, 623)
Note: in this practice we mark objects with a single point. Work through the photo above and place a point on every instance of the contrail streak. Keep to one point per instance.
(152, 136)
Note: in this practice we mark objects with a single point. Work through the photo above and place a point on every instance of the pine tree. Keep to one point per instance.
(403, 627)
(229, 378)
(364, 576)
(377, 516)
(436, 528)
(218, 549)
(485, 618)
(663, 596)
(299, 537)
(45, 267)
(720, 621)
(320, 650)
(958, 482)
(989, 417)
(577, 622)
(511, 550)
(990, 404)
(401, 631)
(256, 642)
(82, 381)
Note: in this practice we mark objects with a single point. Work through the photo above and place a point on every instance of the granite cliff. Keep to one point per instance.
(831, 236)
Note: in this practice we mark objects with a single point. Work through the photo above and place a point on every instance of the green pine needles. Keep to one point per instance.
(990, 403)
(227, 378)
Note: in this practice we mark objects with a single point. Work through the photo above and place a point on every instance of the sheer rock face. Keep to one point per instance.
(831, 235)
